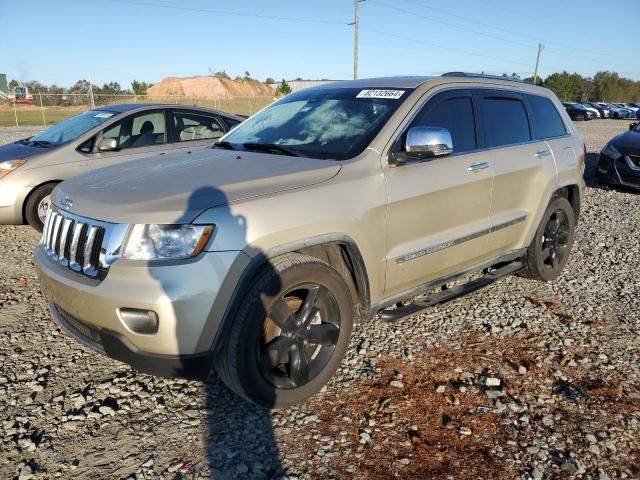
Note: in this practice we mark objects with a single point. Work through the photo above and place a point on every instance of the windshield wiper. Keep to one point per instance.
(272, 148)
(40, 143)
(225, 145)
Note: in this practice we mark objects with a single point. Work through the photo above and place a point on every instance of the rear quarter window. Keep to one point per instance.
(546, 117)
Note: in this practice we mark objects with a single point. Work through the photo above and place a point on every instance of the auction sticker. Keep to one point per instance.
(103, 115)
(391, 94)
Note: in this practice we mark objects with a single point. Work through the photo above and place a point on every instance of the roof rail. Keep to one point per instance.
(482, 75)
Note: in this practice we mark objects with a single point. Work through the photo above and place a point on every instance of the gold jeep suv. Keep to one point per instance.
(336, 204)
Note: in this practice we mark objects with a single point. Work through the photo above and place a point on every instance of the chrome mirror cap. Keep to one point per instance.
(425, 142)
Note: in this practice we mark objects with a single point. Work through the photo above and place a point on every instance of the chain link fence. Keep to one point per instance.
(47, 109)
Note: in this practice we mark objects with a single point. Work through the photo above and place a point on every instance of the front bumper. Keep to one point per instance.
(621, 171)
(12, 197)
(189, 298)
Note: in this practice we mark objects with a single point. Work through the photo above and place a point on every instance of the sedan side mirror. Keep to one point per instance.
(107, 145)
(632, 125)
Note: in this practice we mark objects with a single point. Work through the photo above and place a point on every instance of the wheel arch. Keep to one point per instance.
(339, 250)
(572, 193)
(31, 192)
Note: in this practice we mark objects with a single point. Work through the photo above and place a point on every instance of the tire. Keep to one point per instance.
(263, 360)
(582, 117)
(546, 263)
(37, 201)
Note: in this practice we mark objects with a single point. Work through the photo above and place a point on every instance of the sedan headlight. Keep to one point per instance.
(9, 166)
(158, 242)
(611, 151)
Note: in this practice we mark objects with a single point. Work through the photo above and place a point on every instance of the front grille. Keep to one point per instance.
(81, 244)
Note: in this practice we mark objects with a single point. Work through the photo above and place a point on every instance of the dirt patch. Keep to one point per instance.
(209, 87)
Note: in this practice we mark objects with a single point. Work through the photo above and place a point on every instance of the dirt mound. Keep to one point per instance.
(209, 87)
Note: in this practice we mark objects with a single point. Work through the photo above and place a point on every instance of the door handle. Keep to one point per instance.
(476, 167)
(542, 153)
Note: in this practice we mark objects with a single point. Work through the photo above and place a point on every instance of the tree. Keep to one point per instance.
(269, 81)
(283, 89)
(247, 75)
(139, 88)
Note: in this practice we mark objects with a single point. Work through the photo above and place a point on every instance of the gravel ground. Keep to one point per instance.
(522, 380)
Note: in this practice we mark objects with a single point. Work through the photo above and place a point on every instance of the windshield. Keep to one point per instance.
(337, 123)
(73, 127)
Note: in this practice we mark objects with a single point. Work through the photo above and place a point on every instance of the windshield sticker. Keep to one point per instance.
(103, 115)
(391, 94)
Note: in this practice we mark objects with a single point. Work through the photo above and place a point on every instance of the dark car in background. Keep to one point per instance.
(578, 112)
(602, 110)
(32, 167)
(619, 161)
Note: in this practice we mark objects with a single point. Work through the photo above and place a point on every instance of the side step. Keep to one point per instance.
(426, 301)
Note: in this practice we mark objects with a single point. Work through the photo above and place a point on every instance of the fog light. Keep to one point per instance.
(140, 321)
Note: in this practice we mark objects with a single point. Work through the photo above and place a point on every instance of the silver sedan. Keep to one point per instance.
(31, 168)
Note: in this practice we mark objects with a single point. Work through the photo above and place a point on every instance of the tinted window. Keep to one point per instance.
(546, 117)
(505, 121)
(192, 126)
(231, 123)
(454, 114)
(140, 130)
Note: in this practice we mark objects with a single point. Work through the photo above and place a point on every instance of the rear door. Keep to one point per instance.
(138, 135)
(192, 129)
(438, 211)
(523, 168)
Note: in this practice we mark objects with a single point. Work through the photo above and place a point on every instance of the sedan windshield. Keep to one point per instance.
(72, 128)
(335, 123)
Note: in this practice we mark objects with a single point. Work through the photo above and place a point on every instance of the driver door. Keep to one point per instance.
(139, 135)
(438, 210)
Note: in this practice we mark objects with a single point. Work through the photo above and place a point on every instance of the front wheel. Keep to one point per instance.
(290, 334)
(37, 205)
(549, 251)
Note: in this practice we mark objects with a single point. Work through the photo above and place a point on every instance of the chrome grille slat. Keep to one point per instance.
(74, 258)
(55, 237)
(88, 267)
(64, 237)
(81, 244)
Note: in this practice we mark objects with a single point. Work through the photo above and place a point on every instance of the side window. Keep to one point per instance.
(193, 126)
(547, 119)
(231, 123)
(141, 130)
(456, 115)
(505, 121)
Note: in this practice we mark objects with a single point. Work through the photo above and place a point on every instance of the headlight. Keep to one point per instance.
(611, 151)
(157, 242)
(9, 166)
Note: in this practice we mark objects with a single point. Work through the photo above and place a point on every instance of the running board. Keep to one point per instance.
(426, 301)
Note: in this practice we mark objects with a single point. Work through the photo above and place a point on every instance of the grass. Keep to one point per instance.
(32, 116)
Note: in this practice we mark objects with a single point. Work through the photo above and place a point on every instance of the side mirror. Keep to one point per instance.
(632, 125)
(107, 145)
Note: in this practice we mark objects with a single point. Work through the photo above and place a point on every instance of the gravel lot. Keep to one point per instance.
(415, 399)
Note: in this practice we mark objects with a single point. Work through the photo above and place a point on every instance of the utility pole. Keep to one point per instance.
(535, 73)
(356, 25)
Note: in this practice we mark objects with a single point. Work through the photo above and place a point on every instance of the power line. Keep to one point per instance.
(442, 22)
(224, 12)
(443, 47)
(512, 32)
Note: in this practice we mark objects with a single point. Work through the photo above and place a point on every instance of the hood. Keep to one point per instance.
(627, 142)
(177, 187)
(17, 151)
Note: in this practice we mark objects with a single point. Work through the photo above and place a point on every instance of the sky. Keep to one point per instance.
(63, 41)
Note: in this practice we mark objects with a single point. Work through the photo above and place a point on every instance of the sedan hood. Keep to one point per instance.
(177, 187)
(17, 151)
(627, 142)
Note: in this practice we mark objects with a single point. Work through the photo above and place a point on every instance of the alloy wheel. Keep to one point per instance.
(555, 240)
(299, 336)
(43, 206)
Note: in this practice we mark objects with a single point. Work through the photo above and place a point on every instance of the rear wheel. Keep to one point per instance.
(290, 334)
(37, 205)
(549, 251)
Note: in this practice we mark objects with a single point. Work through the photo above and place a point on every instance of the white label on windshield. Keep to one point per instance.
(392, 94)
(103, 115)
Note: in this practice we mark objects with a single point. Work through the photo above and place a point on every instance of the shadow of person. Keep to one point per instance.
(239, 440)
